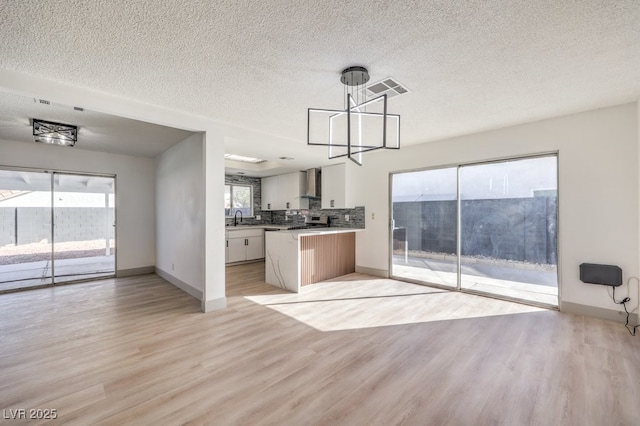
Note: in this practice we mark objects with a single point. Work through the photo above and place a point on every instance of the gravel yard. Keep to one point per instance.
(35, 252)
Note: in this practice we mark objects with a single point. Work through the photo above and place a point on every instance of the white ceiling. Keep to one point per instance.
(470, 65)
(14, 180)
(96, 131)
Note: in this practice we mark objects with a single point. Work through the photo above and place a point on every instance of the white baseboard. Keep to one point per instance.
(592, 311)
(372, 271)
(121, 273)
(213, 305)
(190, 290)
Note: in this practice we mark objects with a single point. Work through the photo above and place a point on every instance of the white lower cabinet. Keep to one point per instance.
(244, 244)
(236, 249)
(255, 247)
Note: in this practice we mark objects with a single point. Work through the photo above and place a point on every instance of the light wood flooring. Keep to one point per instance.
(357, 350)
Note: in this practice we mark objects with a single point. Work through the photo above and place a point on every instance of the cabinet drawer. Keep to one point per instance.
(244, 233)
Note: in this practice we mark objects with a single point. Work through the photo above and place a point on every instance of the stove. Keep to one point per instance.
(313, 221)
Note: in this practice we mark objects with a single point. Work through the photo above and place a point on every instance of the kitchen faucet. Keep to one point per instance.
(235, 218)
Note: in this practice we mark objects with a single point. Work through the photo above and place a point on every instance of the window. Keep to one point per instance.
(238, 198)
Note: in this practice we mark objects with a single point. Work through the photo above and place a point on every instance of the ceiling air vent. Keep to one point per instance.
(388, 86)
(44, 102)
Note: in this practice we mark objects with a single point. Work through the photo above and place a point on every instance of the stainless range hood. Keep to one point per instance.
(314, 184)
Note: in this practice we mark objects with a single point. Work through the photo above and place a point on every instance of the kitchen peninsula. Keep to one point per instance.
(296, 258)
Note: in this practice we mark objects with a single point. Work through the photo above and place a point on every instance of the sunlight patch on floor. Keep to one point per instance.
(350, 304)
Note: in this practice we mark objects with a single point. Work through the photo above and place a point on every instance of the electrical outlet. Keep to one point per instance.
(373, 216)
(346, 218)
(258, 217)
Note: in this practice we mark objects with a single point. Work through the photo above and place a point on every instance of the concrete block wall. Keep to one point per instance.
(7, 226)
(520, 229)
(83, 224)
(71, 224)
(34, 224)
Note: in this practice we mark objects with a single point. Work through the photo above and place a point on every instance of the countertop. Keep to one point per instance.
(320, 231)
(241, 227)
(283, 229)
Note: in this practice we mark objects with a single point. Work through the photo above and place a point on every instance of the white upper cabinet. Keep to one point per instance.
(336, 193)
(269, 193)
(292, 187)
(284, 192)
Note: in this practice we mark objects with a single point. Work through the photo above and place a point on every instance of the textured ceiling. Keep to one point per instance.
(96, 131)
(470, 65)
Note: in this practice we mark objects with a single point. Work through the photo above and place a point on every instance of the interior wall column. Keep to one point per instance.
(213, 296)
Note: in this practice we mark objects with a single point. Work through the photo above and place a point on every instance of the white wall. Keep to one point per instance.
(214, 290)
(598, 189)
(180, 218)
(135, 209)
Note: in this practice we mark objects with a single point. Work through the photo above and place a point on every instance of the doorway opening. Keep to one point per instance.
(55, 228)
(488, 228)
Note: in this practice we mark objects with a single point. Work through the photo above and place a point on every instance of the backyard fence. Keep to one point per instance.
(520, 229)
(25, 225)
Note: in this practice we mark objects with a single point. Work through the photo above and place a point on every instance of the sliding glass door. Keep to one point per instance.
(508, 229)
(83, 227)
(424, 231)
(25, 230)
(504, 241)
(55, 228)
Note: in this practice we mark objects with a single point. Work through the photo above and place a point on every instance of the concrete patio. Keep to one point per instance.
(520, 282)
(32, 274)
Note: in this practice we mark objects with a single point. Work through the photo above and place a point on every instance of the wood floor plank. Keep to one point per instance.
(353, 350)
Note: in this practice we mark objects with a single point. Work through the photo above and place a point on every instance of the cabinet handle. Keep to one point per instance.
(332, 203)
(246, 242)
(227, 243)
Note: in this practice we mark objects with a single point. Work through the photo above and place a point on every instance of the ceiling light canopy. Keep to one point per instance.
(363, 125)
(243, 159)
(54, 133)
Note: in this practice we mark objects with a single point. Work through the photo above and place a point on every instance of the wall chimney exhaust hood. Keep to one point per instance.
(314, 184)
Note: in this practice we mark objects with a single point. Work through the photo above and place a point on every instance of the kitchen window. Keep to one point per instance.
(238, 198)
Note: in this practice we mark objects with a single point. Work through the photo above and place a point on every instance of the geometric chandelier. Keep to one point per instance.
(362, 126)
(54, 133)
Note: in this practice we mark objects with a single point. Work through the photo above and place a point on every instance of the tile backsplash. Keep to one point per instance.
(293, 217)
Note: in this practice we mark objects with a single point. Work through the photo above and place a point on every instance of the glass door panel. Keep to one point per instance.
(424, 226)
(84, 227)
(508, 222)
(25, 229)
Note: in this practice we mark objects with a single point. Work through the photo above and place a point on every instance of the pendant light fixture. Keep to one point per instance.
(363, 125)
